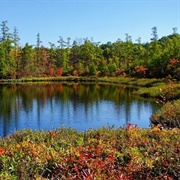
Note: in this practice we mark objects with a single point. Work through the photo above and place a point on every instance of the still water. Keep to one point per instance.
(47, 106)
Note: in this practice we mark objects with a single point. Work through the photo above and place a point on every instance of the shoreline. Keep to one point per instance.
(148, 88)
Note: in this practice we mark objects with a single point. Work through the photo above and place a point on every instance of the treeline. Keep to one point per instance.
(84, 57)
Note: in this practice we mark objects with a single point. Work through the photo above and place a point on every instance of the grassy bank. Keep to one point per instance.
(104, 153)
(149, 87)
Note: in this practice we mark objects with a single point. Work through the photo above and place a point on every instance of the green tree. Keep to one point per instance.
(107, 50)
(38, 52)
(63, 53)
(52, 58)
(139, 52)
(60, 52)
(116, 53)
(68, 43)
(62, 43)
(103, 68)
(112, 68)
(16, 38)
(8, 63)
(128, 53)
(43, 61)
(174, 30)
(3, 66)
(74, 55)
(27, 60)
(92, 69)
(154, 34)
(16, 48)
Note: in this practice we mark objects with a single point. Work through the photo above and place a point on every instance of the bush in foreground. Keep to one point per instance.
(105, 153)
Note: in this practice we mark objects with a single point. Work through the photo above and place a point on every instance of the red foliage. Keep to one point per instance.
(60, 71)
(173, 63)
(2, 151)
(86, 163)
(140, 71)
(50, 71)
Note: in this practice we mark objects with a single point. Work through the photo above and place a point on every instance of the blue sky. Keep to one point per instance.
(104, 20)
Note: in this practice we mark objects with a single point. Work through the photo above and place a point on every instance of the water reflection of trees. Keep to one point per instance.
(23, 96)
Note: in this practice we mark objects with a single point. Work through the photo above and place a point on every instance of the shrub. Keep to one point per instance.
(140, 71)
(106, 153)
(168, 116)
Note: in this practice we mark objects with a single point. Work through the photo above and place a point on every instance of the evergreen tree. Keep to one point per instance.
(68, 43)
(128, 53)
(154, 34)
(27, 60)
(174, 30)
(3, 66)
(38, 49)
(74, 55)
(8, 63)
(16, 40)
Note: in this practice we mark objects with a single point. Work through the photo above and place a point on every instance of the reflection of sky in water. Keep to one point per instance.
(55, 113)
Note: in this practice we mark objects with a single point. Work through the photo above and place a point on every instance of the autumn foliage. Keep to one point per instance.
(140, 71)
(84, 57)
(169, 114)
(105, 153)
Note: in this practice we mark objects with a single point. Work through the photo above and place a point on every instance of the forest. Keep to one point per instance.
(84, 57)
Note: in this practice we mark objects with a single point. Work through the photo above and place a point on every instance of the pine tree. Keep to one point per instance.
(154, 34)
(6, 60)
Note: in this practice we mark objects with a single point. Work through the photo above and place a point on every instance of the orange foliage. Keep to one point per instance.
(173, 63)
(60, 71)
(140, 71)
(2, 151)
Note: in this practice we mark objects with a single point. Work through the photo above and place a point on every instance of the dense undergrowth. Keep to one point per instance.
(105, 153)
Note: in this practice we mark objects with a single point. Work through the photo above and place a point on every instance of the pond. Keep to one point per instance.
(46, 106)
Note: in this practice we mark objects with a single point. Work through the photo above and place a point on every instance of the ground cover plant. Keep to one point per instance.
(106, 153)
